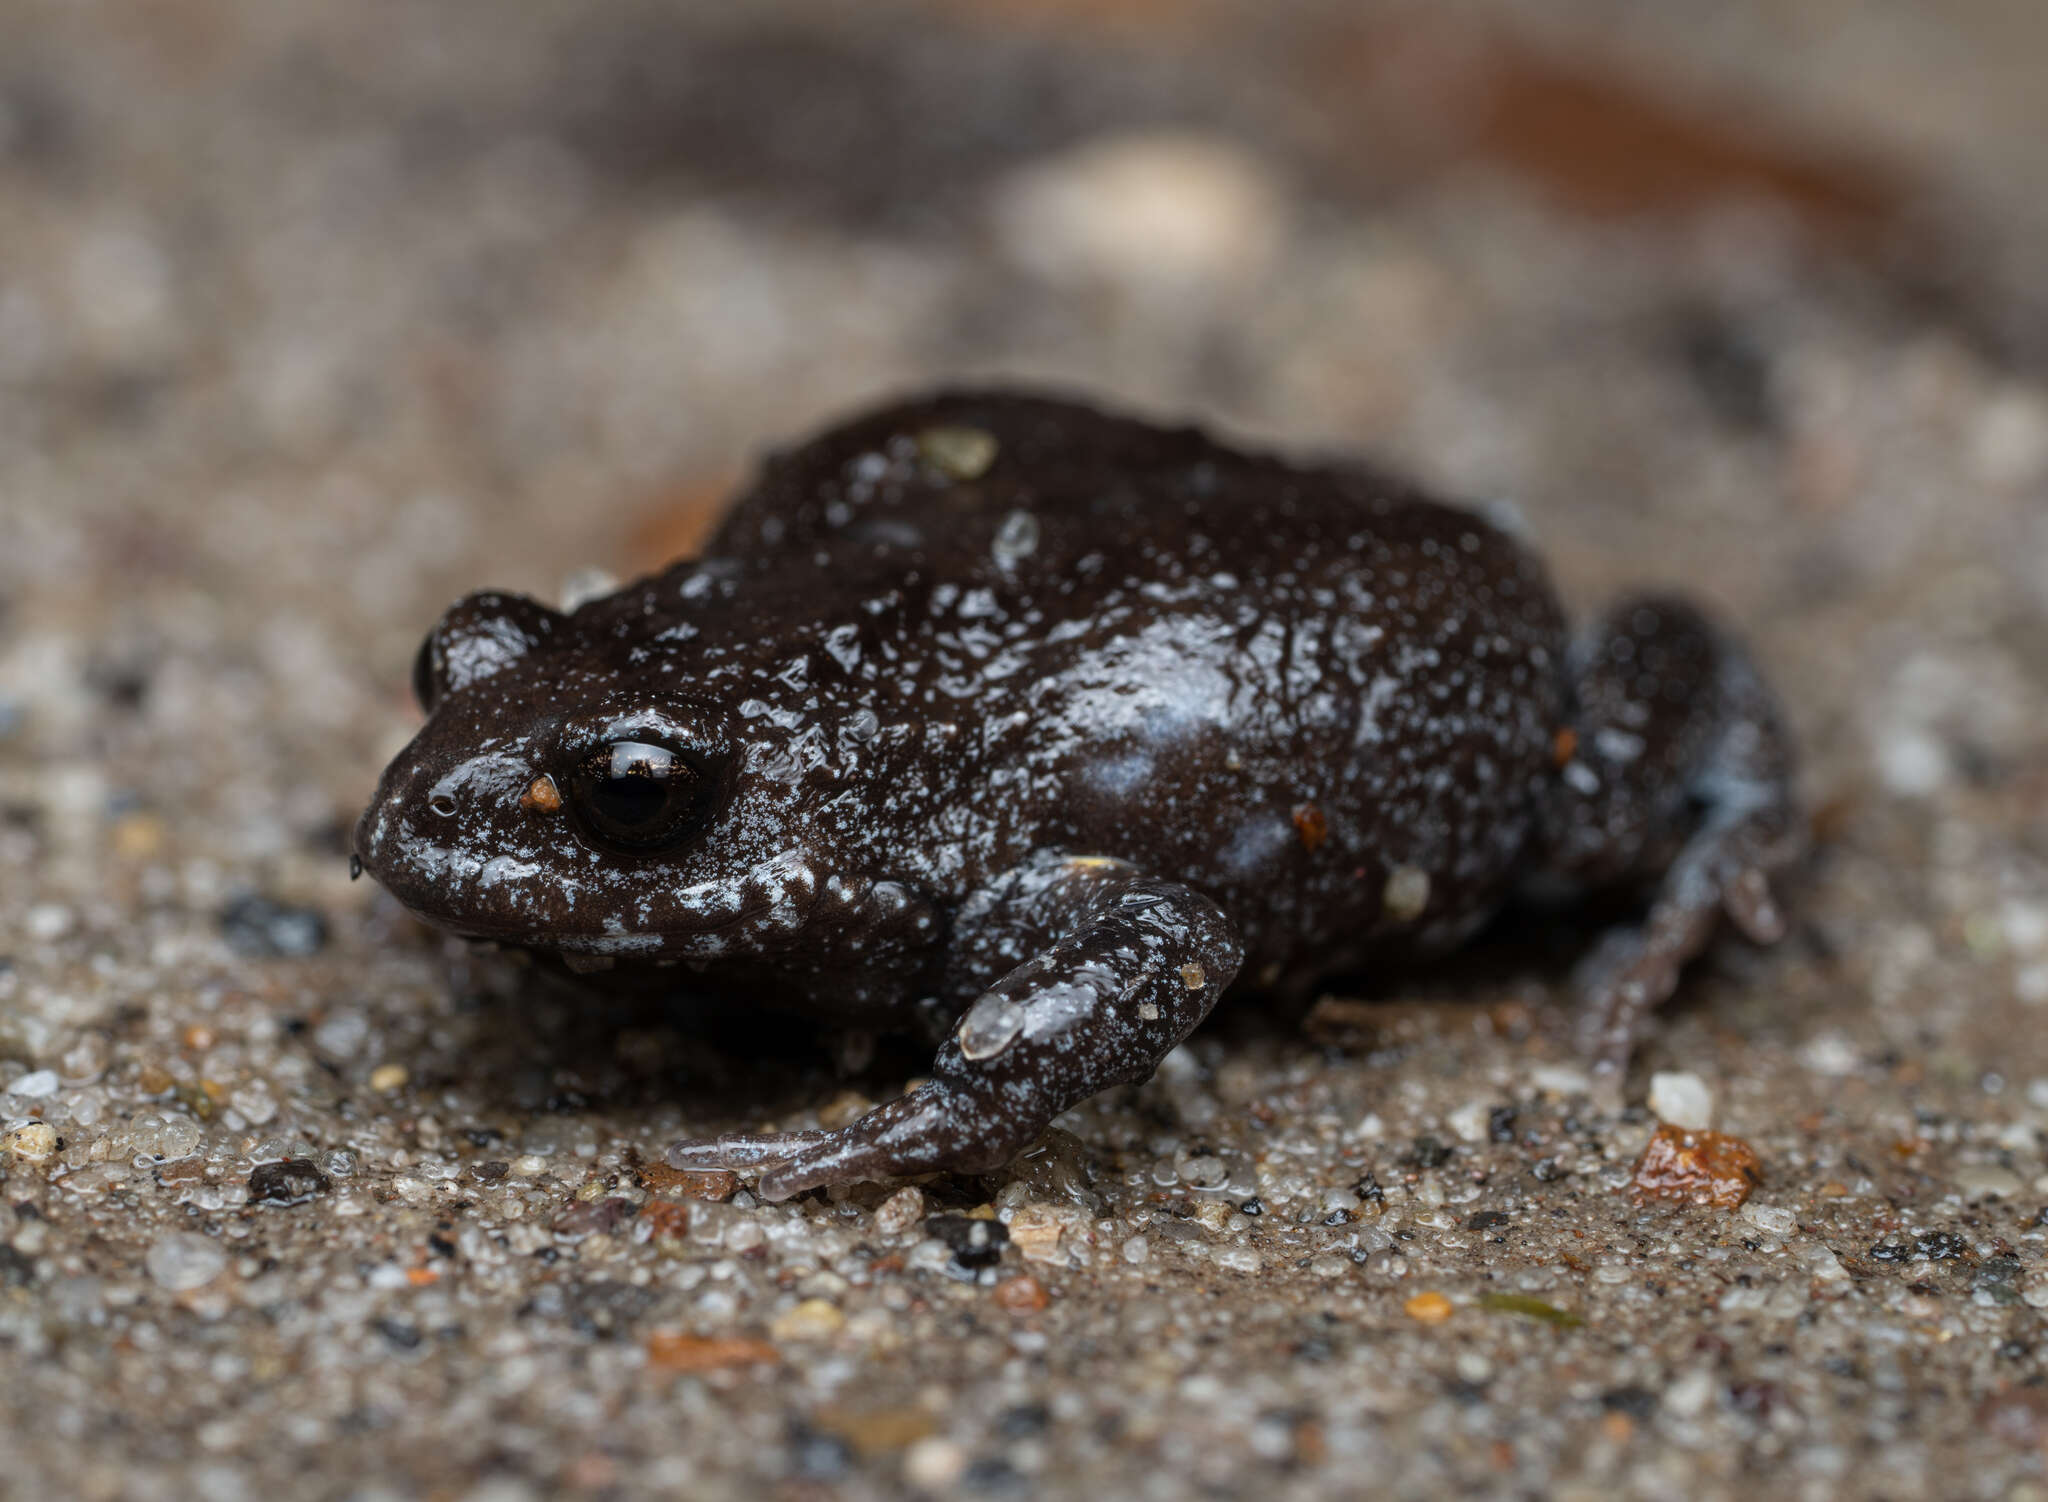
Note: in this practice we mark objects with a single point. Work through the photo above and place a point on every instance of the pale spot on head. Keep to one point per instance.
(1406, 893)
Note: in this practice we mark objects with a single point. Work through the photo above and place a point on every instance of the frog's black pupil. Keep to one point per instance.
(636, 794)
(637, 787)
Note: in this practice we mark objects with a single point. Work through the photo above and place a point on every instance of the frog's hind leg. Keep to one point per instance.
(1677, 771)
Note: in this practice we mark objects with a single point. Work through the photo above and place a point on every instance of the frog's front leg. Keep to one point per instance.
(1135, 965)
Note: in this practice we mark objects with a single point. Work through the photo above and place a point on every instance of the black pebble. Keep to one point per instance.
(1636, 1402)
(1941, 1246)
(1026, 1421)
(406, 1337)
(994, 1474)
(816, 1455)
(262, 929)
(974, 1243)
(292, 1182)
(1430, 1153)
(1732, 370)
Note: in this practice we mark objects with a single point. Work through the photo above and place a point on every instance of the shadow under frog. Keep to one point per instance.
(1033, 730)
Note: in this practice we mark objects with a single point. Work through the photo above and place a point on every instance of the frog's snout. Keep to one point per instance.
(427, 813)
(366, 843)
(378, 833)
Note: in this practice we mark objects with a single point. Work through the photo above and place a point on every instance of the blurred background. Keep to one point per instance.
(329, 312)
(315, 316)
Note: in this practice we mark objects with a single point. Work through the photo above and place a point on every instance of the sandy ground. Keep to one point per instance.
(314, 317)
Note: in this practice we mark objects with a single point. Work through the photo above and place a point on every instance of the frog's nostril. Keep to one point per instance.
(441, 805)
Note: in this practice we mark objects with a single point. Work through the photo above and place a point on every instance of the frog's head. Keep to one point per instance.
(563, 797)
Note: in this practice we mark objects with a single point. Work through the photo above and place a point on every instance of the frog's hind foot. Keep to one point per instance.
(1633, 971)
(1680, 774)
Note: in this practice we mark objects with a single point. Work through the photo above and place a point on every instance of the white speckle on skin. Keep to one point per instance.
(1580, 778)
(501, 869)
(1406, 893)
(616, 940)
(1124, 775)
(1016, 539)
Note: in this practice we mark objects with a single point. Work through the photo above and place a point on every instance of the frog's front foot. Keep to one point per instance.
(741, 1149)
(1142, 962)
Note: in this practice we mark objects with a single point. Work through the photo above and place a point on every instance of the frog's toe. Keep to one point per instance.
(741, 1149)
(1623, 981)
(1633, 971)
(913, 1134)
(1747, 899)
(826, 1164)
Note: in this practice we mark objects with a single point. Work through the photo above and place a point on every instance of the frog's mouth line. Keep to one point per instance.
(603, 948)
(775, 900)
(577, 964)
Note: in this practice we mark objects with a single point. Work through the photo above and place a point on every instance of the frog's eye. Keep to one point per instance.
(639, 797)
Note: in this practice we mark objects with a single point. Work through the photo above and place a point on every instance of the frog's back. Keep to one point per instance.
(931, 484)
(1311, 692)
